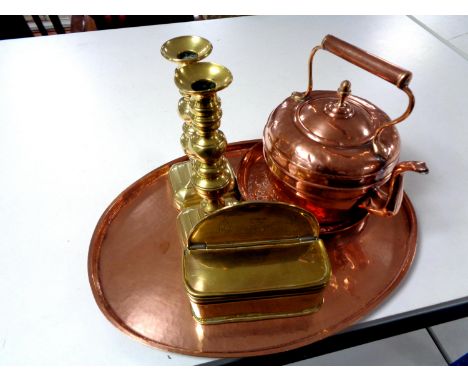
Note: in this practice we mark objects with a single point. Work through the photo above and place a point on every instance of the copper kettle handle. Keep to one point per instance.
(373, 64)
(394, 74)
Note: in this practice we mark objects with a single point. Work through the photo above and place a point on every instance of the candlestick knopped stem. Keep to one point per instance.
(211, 175)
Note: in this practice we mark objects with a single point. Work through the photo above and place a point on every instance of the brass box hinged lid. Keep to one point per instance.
(255, 250)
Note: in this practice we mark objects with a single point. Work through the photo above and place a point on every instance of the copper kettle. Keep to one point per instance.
(337, 154)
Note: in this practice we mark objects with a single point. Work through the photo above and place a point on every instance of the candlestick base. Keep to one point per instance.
(184, 193)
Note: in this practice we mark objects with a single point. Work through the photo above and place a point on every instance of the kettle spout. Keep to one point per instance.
(420, 167)
(386, 200)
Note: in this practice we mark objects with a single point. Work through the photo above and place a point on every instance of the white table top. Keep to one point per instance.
(84, 115)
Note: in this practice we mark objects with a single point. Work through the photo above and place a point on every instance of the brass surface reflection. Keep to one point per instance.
(185, 50)
(243, 262)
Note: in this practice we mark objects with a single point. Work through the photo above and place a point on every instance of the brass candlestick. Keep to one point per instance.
(212, 176)
(185, 50)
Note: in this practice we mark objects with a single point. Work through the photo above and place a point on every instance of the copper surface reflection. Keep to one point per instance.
(256, 182)
(135, 272)
(337, 151)
(349, 258)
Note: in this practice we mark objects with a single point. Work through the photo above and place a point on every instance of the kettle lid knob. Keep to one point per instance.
(344, 91)
(340, 109)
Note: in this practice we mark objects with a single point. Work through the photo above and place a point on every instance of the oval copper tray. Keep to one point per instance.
(135, 273)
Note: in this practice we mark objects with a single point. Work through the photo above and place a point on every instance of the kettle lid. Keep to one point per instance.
(339, 119)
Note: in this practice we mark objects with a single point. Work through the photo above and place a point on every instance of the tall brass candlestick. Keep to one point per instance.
(185, 50)
(212, 176)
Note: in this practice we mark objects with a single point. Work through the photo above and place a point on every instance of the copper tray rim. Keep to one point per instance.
(132, 191)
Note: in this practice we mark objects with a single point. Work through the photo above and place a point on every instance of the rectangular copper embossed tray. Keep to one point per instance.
(135, 272)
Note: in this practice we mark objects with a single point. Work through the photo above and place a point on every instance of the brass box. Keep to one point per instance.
(255, 260)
